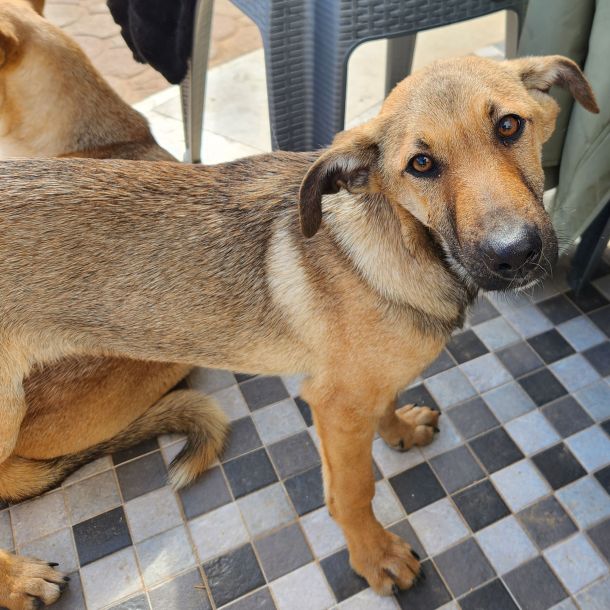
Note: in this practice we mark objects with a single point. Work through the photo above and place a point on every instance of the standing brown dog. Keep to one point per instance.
(54, 103)
(352, 266)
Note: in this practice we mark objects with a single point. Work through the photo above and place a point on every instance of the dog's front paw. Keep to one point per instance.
(411, 426)
(29, 584)
(386, 563)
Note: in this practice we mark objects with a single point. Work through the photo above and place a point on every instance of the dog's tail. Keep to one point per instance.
(182, 411)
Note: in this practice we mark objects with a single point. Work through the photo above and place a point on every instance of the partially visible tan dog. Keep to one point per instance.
(351, 266)
(54, 103)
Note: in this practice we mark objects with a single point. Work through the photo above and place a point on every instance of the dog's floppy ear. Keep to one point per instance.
(349, 163)
(540, 73)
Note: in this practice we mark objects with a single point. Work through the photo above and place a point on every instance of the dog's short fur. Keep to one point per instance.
(54, 103)
(95, 260)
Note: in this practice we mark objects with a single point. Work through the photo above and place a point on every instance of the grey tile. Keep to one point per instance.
(528, 320)
(472, 417)
(567, 416)
(278, 421)
(126, 455)
(185, 592)
(506, 544)
(152, 514)
(294, 454)
(266, 509)
(430, 594)
(210, 380)
(509, 401)
(586, 501)
(446, 439)
(596, 400)
(208, 492)
(6, 531)
(259, 600)
(481, 311)
(574, 372)
(520, 484)
(165, 555)
(57, 547)
(591, 447)
(72, 598)
(39, 517)
(486, 372)
(138, 602)
(404, 530)
(546, 522)
(283, 551)
(323, 533)
(443, 362)
(262, 391)
(249, 472)
(596, 597)
(303, 589)
(343, 581)
(232, 402)
(142, 475)
(93, 496)
(456, 469)
(111, 578)
(496, 334)
(534, 585)
(600, 535)
(576, 563)
(581, 333)
(386, 507)
(450, 387)
(492, 595)
(243, 438)
(532, 432)
(392, 462)
(480, 505)
(452, 562)
(519, 359)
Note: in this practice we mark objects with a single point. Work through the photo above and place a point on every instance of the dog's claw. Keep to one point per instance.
(415, 554)
(52, 564)
(436, 429)
(67, 578)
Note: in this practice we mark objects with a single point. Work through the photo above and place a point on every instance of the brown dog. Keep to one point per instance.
(250, 269)
(54, 103)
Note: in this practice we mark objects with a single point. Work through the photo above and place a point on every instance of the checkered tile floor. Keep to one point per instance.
(508, 507)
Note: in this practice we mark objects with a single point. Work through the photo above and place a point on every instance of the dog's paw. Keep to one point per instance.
(412, 426)
(30, 584)
(388, 565)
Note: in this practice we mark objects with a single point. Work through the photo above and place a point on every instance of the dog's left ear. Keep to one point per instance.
(540, 73)
(349, 163)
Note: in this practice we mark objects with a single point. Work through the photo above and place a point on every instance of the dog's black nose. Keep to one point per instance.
(512, 249)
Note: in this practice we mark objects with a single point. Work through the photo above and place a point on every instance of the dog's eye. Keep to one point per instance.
(509, 127)
(421, 164)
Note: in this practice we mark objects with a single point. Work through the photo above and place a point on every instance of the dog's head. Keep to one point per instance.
(458, 145)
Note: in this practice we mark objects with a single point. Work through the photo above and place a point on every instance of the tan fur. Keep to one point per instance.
(224, 277)
(53, 102)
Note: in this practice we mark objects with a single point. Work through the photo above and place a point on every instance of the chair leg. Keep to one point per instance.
(399, 60)
(193, 87)
(590, 250)
(512, 34)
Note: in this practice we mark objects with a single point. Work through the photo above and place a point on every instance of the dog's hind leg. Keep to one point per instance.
(407, 426)
(28, 584)
(346, 421)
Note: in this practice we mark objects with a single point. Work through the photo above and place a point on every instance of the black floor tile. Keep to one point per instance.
(404, 530)
(558, 466)
(599, 357)
(542, 386)
(417, 487)
(131, 453)
(233, 575)
(606, 426)
(492, 596)
(137, 602)
(496, 450)
(546, 522)
(558, 309)
(588, 299)
(567, 416)
(142, 476)
(472, 418)
(259, 600)
(342, 579)
(427, 594)
(306, 490)
(466, 346)
(294, 454)
(551, 346)
(482, 311)
(208, 492)
(456, 469)
(600, 534)
(249, 473)
(481, 505)
(262, 391)
(603, 476)
(520, 359)
(184, 591)
(534, 585)
(305, 411)
(283, 551)
(417, 395)
(601, 319)
(241, 377)
(243, 438)
(101, 536)
(464, 567)
(442, 363)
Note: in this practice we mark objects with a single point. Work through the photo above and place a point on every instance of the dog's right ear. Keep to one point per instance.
(349, 163)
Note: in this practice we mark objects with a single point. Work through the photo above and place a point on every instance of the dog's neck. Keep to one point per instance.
(395, 254)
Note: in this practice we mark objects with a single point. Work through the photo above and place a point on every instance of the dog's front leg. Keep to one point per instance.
(346, 431)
